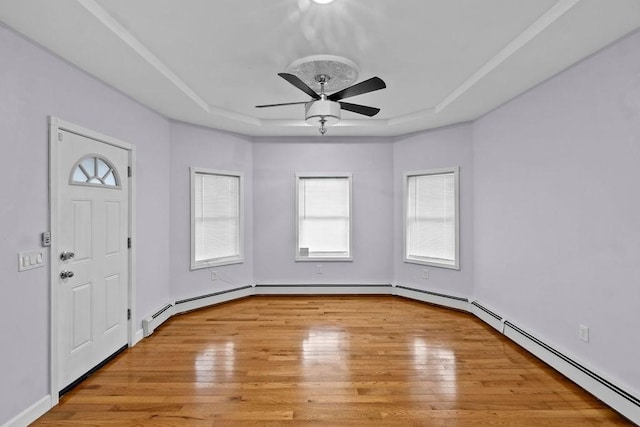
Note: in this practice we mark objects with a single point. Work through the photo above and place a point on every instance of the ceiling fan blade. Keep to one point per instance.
(373, 84)
(280, 105)
(360, 109)
(294, 80)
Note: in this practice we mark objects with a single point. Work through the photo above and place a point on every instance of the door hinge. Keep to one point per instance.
(129, 242)
(129, 172)
(59, 136)
(128, 314)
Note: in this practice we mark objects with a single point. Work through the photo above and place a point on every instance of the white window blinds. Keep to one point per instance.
(432, 218)
(216, 219)
(324, 217)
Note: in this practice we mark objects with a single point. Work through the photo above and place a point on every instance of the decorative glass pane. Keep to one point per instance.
(94, 171)
(79, 175)
(103, 168)
(109, 179)
(89, 166)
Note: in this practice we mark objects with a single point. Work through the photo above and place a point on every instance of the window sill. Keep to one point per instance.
(321, 259)
(215, 263)
(453, 265)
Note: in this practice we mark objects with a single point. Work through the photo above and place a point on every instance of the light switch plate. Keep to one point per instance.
(31, 259)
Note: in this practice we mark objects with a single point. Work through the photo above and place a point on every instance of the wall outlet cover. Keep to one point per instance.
(584, 333)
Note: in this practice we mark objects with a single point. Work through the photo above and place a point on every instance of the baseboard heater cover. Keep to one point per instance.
(156, 319)
(622, 401)
(322, 289)
(489, 317)
(213, 298)
(431, 297)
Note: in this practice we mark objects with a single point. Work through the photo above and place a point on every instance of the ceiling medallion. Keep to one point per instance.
(343, 72)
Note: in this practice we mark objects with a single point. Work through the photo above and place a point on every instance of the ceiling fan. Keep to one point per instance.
(326, 108)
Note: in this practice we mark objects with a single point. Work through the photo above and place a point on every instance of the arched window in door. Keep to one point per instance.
(95, 171)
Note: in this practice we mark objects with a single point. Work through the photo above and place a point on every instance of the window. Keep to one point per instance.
(431, 218)
(94, 171)
(216, 218)
(323, 217)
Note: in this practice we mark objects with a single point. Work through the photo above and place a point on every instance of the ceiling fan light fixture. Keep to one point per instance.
(322, 112)
(323, 109)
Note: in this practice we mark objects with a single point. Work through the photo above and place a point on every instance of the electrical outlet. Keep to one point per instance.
(214, 275)
(584, 333)
(425, 274)
(319, 269)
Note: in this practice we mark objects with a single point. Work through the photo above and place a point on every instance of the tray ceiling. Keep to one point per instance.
(210, 62)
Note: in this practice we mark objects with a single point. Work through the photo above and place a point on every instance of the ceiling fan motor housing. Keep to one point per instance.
(322, 109)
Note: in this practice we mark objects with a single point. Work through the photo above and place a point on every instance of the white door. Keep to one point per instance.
(92, 279)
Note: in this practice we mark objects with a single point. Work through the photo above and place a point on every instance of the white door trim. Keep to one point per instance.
(56, 124)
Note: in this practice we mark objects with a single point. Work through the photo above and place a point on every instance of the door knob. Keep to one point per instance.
(65, 274)
(64, 256)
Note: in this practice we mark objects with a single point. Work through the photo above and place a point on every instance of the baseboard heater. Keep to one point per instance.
(322, 289)
(213, 298)
(159, 317)
(619, 399)
(450, 301)
(488, 316)
(214, 294)
(156, 319)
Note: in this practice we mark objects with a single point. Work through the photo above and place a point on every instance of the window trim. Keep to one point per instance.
(297, 256)
(216, 262)
(456, 182)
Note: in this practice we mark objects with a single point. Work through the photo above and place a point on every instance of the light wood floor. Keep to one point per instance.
(327, 361)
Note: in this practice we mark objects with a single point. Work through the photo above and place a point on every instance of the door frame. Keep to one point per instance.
(56, 125)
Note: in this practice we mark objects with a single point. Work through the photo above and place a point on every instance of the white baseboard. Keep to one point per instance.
(448, 301)
(594, 383)
(323, 289)
(30, 414)
(137, 337)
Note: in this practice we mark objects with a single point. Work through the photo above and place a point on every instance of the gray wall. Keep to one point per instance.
(33, 85)
(200, 147)
(440, 148)
(274, 188)
(557, 212)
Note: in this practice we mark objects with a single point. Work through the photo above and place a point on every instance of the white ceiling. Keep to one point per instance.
(209, 62)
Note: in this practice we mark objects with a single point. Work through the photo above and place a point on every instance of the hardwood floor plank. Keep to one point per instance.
(329, 360)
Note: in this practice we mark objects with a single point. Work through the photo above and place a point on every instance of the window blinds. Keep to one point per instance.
(431, 217)
(324, 216)
(216, 216)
